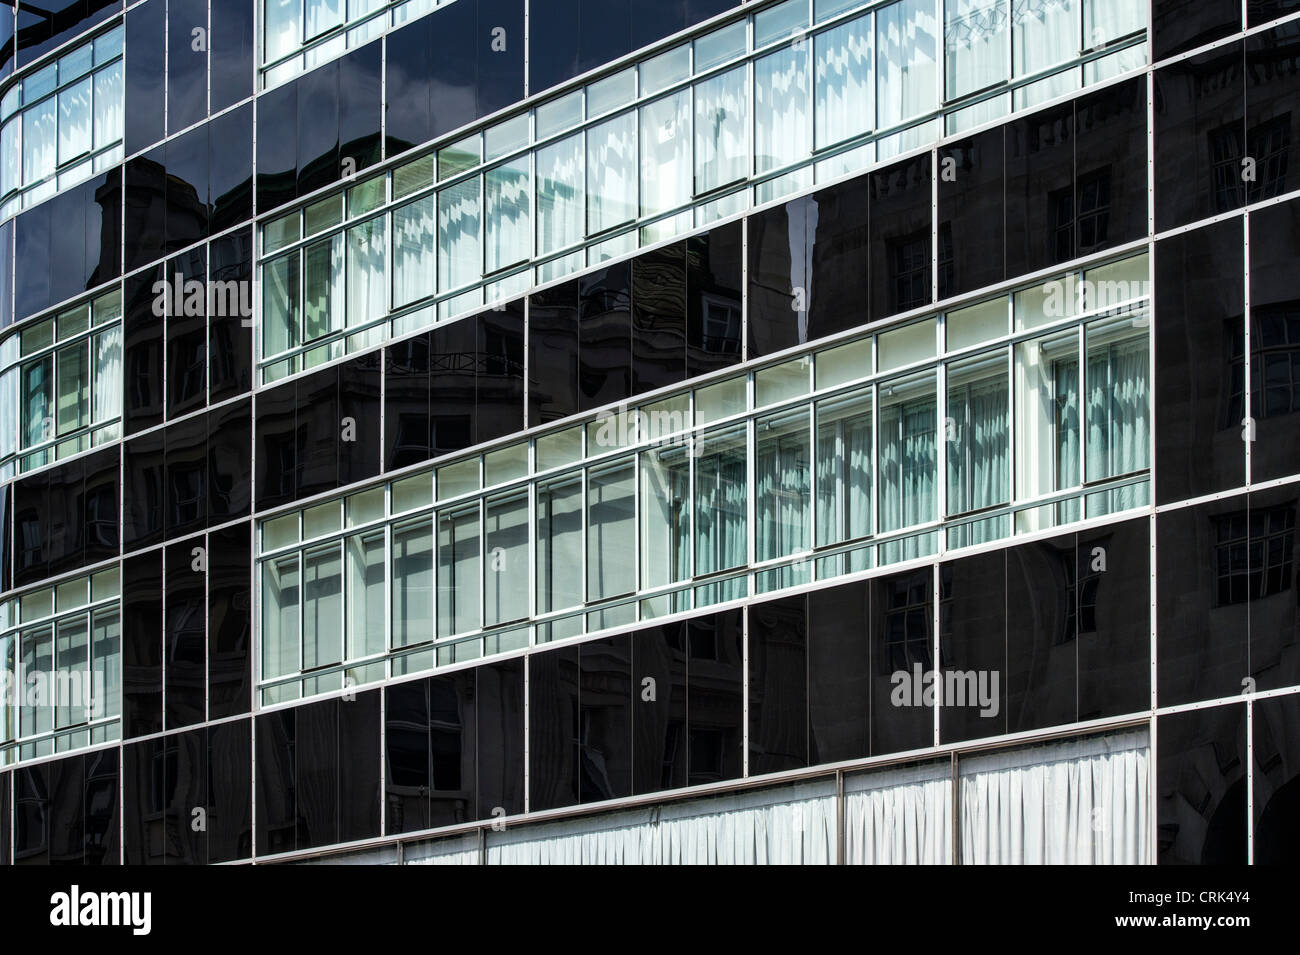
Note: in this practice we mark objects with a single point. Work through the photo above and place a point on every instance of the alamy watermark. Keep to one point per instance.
(57, 688)
(955, 688)
(220, 298)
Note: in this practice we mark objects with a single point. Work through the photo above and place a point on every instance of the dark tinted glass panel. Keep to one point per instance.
(408, 66)
(142, 364)
(277, 152)
(101, 831)
(1040, 190)
(142, 628)
(553, 354)
(839, 673)
(63, 520)
(1201, 779)
(902, 639)
(553, 729)
(659, 318)
(500, 54)
(6, 784)
(1201, 601)
(1180, 25)
(778, 685)
(276, 448)
(1275, 340)
(1261, 11)
(406, 402)
(715, 697)
(713, 307)
(1200, 385)
(453, 353)
(6, 255)
(605, 336)
(655, 19)
(316, 773)
(99, 506)
(67, 810)
(1200, 137)
(146, 214)
(228, 466)
(359, 412)
(229, 630)
(779, 276)
(1270, 585)
(451, 753)
(230, 169)
(659, 720)
(408, 769)
(43, 27)
(67, 244)
(32, 245)
(6, 68)
(143, 781)
(1272, 118)
(554, 43)
(318, 128)
(606, 32)
(185, 633)
(972, 214)
(186, 492)
(231, 56)
(230, 791)
(1113, 614)
(901, 253)
(840, 256)
(31, 529)
(145, 101)
(31, 845)
(6, 539)
(277, 795)
(360, 767)
(144, 491)
(187, 188)
(186, 777)
(187, 68)
(1275, 742)
(973, 647)
(187, 334)
(1110, 184)
(500, 704)
(499, 385)
(318, 432)
(360, 105)
(605, 719)
(103, 203)
(454, 41)
(1042, 632)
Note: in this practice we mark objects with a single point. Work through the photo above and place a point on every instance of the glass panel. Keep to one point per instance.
(844, 468)
(907, 38)
(843, 363)
(1047, 415)
(978, 323)
(508, 196)
(36, 715)
(721, 489)
(413, 255)
(611, 516)
(459, 260)
(367, 283)
(458, 574)
(108, 106)
(459, 157)
(782, 475)
(74, 120)
(39, 140)
(322, 620)
(722, 400)
(1106, 20)
(560, 194)
(282, 26)
(665, 153)
(413, 583)
(505, 137)
(280, 616)
(720, 46)
(844, 82)
(365, 594)
(71, 661)
(781, 108)
(280, 304)
(459, 478)
(978, 434)
(780, 21)
(107, 655)
(1043, 34)
(665, 516)
(721, 130)
(1118, 435)
(74, 388)
(660, 72)
(975, 40)
(611, 92)
(38, 393)
(559, 544)
(505, 570)
(903, 346)
(323, 286)
(559, 114)
(11, 155)
(611, 165)
(908, 461)
(781, 382)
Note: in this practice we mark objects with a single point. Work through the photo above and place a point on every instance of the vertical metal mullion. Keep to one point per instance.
(1250, 781)
(956, 809)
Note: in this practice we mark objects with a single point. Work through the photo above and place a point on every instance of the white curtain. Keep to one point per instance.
(844, 82)
(367, 263)
(1044, 33)
(907, 41)
(978, 467)
(975, 41)
(108, 105)
(281, 28)
(611, 173)
(781, 108)
(908, 465)
(459, 259)
(1074, 802)
(559, 194)
(107, 397)
(721, 489)
(414, 251)
(508, 236)
(843, 471)
(721, 130)
(665, 153)
(792, 825)
(455, 850)
(781, 498)
(899, 816)
(1106, 20)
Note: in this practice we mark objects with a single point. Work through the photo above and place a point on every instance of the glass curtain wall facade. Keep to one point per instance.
(905, 389)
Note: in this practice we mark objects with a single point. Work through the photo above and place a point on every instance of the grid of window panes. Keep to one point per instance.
(300, 34)
(877, 450)
(62, 376)
(697, 133)
(62, 124)
(61, 660)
